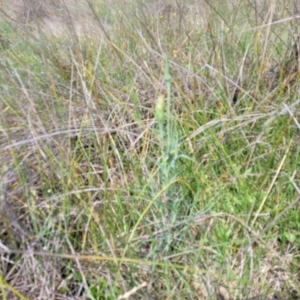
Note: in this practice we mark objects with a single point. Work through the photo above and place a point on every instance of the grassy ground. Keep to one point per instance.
(149, 150)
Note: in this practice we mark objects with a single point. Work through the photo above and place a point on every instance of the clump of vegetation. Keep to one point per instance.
(149, 150)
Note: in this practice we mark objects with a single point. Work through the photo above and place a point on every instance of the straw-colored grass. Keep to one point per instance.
(149, 150)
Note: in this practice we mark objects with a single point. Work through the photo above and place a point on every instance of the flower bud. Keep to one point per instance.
(160, 108)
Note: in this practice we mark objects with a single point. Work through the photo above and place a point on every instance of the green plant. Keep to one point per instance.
(121, 195)
(169, 203)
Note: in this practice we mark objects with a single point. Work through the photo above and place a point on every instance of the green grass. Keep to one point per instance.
(129, 166)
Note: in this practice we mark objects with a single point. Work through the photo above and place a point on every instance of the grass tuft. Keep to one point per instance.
(149, 150)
